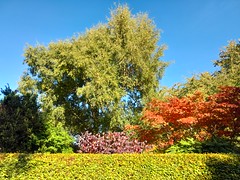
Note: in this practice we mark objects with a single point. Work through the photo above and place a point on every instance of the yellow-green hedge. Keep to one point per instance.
(119, 166)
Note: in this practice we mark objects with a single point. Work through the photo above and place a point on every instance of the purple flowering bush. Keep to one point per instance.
(108, 143)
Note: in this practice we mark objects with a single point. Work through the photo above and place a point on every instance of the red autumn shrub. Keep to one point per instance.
(223, 113)
(165, 123)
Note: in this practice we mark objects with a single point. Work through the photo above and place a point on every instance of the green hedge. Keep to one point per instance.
(119, 166)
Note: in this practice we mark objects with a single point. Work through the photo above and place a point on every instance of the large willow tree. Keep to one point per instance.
(100, 79)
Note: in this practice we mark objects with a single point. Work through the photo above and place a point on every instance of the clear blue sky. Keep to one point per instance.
(193, 30)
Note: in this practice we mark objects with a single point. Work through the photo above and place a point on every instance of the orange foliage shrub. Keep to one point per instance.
(165, 123)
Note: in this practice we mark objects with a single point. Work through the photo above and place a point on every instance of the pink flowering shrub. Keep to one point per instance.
(108, 143)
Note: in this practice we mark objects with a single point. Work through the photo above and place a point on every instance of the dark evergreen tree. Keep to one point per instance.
(20, 125)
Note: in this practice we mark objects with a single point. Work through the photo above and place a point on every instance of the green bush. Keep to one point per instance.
(55, 140)
(119, 166)
(213, 145)
(186, 146)
(219, 145)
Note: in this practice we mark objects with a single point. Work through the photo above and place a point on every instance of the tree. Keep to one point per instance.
(100, 79)
(226, 75)
(23, 127)
(223, 113)
(20, 125)
(229, 64)
(167, 122)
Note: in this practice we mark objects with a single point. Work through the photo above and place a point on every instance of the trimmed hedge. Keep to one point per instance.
(119, 166)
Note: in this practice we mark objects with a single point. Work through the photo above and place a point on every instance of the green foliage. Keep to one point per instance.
(219, 145)
(227, 74)
(203, 82)
(212, 145)
(20, 125)
(56, 140)
(229, 64)
(119, 166)
(190, 145)
(102, 78)
(23, 128)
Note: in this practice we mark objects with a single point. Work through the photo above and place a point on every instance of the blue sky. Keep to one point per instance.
(193, 30)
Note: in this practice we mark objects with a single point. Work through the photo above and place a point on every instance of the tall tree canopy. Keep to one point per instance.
(229, 64)
(101, 78)
(227, 74)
